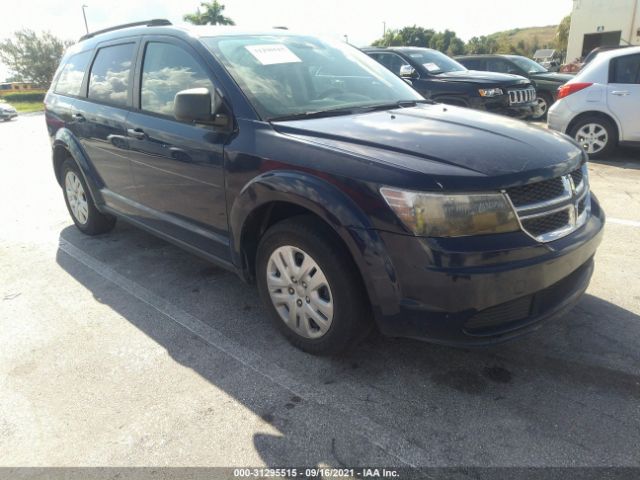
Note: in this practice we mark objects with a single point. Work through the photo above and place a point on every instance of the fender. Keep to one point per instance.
(337, 210)
(65, 139)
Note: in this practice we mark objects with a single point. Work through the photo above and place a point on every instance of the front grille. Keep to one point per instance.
(522, 95)
(544, 224)
(576, 176)
(553, 208)
(536, 192)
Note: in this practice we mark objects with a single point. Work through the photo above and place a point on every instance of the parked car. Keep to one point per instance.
(599, 106)
(307, 167)
(444, 80)
(545, 82)
(7, 112)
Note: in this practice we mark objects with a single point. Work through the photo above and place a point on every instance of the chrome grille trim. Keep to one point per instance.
(521, 95)
(575, 200)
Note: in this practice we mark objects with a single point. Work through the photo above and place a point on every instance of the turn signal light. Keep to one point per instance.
(569, 88)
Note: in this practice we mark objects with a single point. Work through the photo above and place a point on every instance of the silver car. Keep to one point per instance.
(7, 112)
(599, 107)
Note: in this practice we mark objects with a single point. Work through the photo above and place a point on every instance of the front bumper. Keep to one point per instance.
(502, 106)
(484, 290)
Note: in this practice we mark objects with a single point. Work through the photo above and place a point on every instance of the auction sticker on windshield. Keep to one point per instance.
(431, 67)
(272, 54)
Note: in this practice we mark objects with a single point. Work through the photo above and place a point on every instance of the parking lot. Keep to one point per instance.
(125, 350)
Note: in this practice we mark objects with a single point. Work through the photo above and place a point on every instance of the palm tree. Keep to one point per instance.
(212, 15)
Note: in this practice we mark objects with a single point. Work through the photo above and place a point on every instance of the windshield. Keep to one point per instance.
(436, 62)
(528, 65)
(288, 75)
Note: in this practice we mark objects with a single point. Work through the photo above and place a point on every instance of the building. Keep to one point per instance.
(596, 23)
(13, 87)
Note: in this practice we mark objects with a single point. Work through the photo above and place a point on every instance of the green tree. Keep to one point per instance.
(33, 57)
(562, 35)
(415, 36)
(212, 15)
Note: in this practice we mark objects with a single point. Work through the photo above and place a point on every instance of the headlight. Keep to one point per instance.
(452, 215)
(490, 92)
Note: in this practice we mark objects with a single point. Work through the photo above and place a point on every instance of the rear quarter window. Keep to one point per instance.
(111, 75)
(72, 73)
(625, 69)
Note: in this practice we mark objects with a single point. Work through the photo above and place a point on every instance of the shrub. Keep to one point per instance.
(24, 97)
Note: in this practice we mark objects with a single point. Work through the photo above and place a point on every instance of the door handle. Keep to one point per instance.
(136, 133)
(620, 93)
(78, 117)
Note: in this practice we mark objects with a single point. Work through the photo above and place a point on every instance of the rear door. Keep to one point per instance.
(177, 166)
(100, 120)
(623, 95)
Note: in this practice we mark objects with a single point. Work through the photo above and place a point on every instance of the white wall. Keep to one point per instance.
(613, 15)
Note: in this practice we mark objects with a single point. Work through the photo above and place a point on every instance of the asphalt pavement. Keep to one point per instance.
(125, 350)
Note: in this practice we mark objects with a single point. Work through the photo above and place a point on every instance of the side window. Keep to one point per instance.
(473, 63)
(72, 74)
(166, 70)
(392, 61)
(110, 74)
(625, 69)
(498, 65)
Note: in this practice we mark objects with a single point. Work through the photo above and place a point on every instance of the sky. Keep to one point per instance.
(361, 20)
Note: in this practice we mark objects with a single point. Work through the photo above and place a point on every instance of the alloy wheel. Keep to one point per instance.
(593, 137)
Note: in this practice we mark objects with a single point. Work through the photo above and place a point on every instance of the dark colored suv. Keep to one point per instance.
(442, 79)
(545, 82)
(309, 168)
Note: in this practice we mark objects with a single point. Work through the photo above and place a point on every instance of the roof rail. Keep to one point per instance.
(156, 22)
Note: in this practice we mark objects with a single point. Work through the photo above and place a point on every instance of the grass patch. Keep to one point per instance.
(26, 107)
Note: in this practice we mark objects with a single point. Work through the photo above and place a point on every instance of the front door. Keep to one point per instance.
(178, 167)
(623, 95)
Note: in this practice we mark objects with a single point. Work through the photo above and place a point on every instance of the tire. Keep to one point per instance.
(340, 309)
(544, 102)
(79, 203)
(596, 134)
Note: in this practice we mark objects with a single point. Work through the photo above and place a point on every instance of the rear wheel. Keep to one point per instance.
(596, 134)
(310, 285)
(80, 204)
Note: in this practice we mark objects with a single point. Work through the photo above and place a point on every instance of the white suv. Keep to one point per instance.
(600, 107)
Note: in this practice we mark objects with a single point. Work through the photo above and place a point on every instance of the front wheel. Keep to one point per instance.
(596, 134)
(543, 102)
(310, 285)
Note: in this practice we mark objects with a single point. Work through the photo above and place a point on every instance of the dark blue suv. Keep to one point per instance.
(309, 168)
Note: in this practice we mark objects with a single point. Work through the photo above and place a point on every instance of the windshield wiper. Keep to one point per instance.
(350, 110)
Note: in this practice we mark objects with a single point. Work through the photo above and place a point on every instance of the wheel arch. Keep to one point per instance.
(272, 197)
(66, 145)
(597, 113)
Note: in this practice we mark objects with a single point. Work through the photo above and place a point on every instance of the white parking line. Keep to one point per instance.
(620, 221)
(382, 437)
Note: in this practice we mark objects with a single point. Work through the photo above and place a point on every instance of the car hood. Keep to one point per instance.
(475, 76)
(553, 77)
(435, 139)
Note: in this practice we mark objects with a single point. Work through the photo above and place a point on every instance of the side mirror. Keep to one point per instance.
(194, 105)
(407, 71)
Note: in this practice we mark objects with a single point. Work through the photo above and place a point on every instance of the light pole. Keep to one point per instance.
(384, 28)
(346, 38)
(84, 15)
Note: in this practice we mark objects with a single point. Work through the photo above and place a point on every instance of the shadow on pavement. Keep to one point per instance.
(566, 395)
